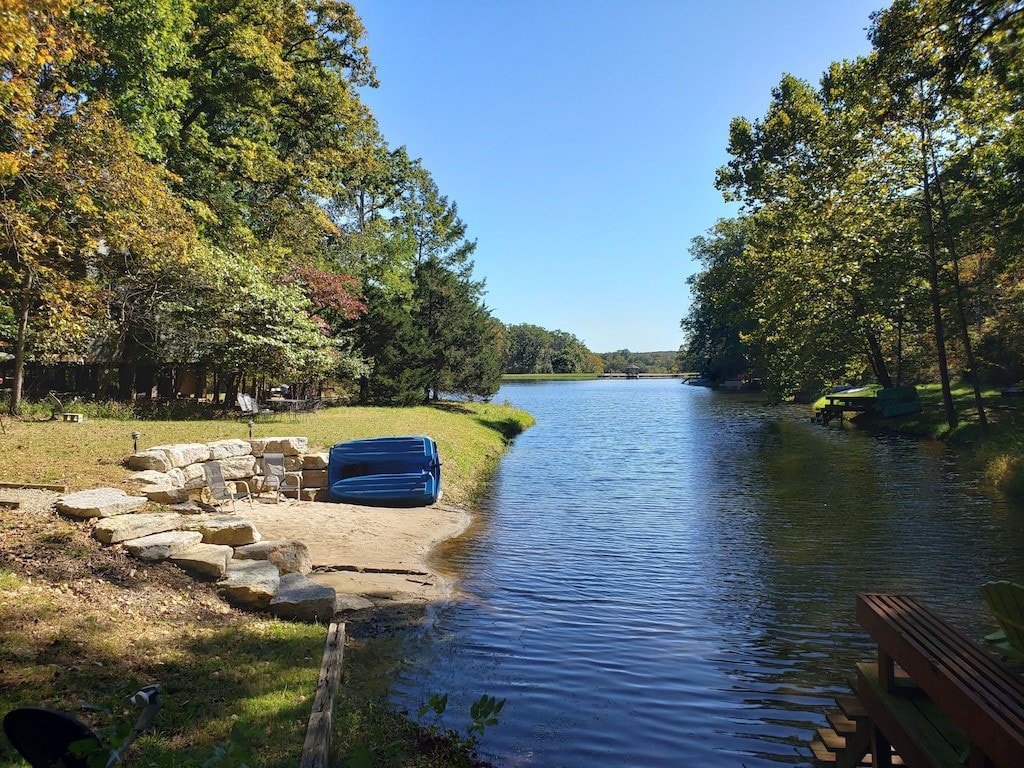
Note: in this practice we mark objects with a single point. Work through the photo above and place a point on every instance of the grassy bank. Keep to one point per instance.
(470, 438)
(996, 450)
(84, 623)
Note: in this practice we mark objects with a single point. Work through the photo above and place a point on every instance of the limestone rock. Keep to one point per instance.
(250, 583)
(315, 461)
(299, 598)
(161, 487)
(238, 467)
(150, 459)
(160, 546)
(151, 477)
(288, 556)
(112, 530)
(209, 560)
(183, 454)
(226, 449)
(289, 446)
(314, 478)
(192, 476)
(224, 529)
(99, 502)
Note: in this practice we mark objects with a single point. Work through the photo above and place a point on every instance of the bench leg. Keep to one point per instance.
(881, 749)
(886, 671)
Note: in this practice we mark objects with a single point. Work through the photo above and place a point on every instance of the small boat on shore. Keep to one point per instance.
(385, 471)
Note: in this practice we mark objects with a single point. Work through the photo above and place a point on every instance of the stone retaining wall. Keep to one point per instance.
(173, 474)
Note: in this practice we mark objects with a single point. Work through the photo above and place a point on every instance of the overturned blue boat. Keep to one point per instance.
(385, 471)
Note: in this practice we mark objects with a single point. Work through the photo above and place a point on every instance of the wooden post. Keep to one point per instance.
(317, 747)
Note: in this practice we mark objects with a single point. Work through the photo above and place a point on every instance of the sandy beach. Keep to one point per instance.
(374, 557)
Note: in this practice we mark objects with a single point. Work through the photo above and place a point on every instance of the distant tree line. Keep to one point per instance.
(195, 186)
(532, 349)
(880, 229)
(646, 362)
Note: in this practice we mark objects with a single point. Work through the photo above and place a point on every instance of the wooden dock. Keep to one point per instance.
(933, 698)
(837, 405)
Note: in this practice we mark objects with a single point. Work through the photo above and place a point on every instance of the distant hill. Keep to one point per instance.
(647, 362)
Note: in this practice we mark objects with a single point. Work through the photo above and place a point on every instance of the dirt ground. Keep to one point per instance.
(374, 557)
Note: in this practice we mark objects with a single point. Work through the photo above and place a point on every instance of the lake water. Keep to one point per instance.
(664, 575)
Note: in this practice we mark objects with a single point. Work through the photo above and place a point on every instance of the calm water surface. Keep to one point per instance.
(664, 575)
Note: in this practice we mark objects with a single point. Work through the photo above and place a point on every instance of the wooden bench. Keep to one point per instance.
(959, 704)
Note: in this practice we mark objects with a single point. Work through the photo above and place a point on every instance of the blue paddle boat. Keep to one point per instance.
(385, 471)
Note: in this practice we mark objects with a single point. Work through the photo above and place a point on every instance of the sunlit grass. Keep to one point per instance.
(470, 438)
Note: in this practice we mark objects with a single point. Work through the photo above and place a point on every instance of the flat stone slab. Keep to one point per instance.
(112, 530)
(224, 529)
(288, 556)
(348, 602)
(206, 560)
(161, 546)
(303, 600)
(99, 502)
(250, 583)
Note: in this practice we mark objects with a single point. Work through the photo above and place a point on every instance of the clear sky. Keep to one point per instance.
(580, 138)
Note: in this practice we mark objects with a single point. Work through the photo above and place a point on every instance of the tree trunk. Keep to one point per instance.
(933, 285)
(19, 348)
(961, 312)
(878, 360)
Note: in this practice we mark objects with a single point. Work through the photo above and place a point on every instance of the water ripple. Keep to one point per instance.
(665, 575)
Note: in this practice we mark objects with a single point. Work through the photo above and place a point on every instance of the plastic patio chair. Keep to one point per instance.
(277, 479)
(221, 492)
(1005, 600)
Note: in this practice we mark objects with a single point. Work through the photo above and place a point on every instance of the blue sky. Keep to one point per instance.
(580, 138)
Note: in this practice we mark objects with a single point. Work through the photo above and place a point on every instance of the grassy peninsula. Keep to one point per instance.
(80, 623)
(995, 449)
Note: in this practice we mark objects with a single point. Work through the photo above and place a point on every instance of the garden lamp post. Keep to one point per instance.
(251, 425)
(135, 441)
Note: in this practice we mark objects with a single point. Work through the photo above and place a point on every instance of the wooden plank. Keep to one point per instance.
(851, 706)
(12, 503)
(316, 749)
(39, 486)
(821, 753)
(841, 723)
(832, 740)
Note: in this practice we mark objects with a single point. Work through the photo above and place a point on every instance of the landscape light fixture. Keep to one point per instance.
(251, 425)
(135, 441)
